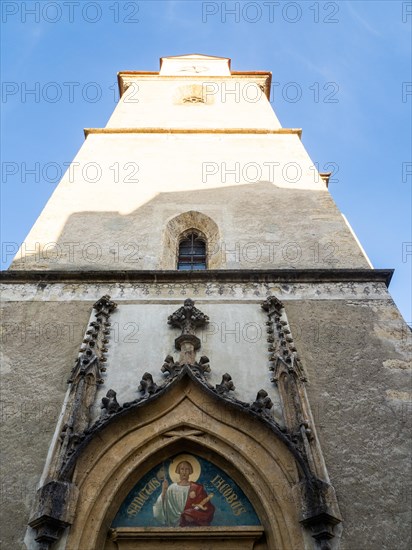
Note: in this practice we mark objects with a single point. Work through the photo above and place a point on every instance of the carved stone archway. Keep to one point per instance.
(182, 223)
(186, 417)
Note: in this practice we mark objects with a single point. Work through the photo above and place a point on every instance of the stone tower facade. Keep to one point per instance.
(197, 351)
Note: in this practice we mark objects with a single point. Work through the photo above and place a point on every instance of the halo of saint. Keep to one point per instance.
(174, 475)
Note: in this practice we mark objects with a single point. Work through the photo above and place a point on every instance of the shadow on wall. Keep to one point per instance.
(251, 226)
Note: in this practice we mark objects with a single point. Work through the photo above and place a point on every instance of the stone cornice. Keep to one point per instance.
(156, 130)
(221, 275)
(264, 76)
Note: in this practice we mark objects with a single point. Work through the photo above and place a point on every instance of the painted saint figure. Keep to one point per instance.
(184, 503)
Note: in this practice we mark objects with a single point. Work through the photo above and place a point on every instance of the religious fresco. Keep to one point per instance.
(186, 491)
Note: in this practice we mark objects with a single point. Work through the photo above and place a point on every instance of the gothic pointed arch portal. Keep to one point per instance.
(186, 419)
(278, 473)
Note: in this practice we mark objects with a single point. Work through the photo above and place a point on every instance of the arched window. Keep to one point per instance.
(192, 252)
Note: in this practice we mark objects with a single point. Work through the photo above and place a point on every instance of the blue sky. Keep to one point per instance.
(340, 71)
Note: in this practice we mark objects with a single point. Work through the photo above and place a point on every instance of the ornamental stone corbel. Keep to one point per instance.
(54, 511)
(320, 511)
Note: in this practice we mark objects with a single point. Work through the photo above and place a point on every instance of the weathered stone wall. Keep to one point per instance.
(261, 225)
(360, 392)
(40, 341)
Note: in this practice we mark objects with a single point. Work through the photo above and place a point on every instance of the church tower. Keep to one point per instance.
(198, 352)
